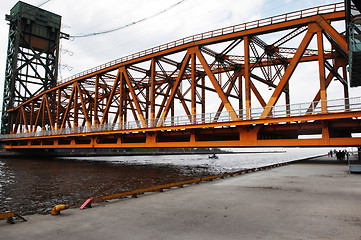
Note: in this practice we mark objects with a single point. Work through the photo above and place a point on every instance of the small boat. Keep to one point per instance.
(214, 156)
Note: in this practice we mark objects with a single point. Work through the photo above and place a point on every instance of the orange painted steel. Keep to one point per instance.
(249, 133)
(150, 86)
(10, 217)
(7, 215)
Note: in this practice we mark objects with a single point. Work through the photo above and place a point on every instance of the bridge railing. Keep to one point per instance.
(219, 32)
(301, 109)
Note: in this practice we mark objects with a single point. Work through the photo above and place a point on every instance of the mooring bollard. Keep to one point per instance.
(56, 210)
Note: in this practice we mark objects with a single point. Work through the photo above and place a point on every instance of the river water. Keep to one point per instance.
(29, 186)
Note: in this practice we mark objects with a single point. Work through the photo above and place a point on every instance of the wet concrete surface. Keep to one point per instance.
(300, 201)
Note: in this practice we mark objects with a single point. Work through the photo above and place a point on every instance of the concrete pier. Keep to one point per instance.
(316, 199)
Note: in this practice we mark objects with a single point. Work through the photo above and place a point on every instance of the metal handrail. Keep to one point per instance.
(355, 39)
(300, 109)
(215, 33)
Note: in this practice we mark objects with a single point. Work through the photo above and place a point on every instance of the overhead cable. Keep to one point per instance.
(43, 3)
(127, 25)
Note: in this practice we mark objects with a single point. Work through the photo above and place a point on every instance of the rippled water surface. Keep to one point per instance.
(30, 186)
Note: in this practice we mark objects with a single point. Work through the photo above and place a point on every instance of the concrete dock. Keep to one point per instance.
(316, 199)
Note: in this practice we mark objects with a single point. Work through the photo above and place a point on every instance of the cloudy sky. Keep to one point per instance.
(189, 17)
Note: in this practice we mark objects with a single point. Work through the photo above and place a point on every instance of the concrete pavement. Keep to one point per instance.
(310, 200)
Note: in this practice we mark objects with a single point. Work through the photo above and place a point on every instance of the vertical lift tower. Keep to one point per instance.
(353, 21)
(32, 56)
(353, 24)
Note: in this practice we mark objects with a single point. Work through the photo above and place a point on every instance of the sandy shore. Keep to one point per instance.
(317, 199)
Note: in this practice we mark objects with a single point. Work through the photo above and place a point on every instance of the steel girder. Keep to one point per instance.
(184, 78)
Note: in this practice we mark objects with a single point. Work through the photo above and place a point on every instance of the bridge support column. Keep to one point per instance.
(193, 89)
(152, 92)
(93, 142)
(325, 132)
(151, 139)
(192, 140)
(321, 67)
(248, 135)
(345, 88)
(247, 77)
(203, 98)
(96, 96)
(240, 101)
(76, 109)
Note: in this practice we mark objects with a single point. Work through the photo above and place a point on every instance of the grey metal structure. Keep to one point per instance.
(32, 56)
(353, 26)
(354, 165)
(355, 52)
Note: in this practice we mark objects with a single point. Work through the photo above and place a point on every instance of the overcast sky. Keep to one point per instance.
(187, 18)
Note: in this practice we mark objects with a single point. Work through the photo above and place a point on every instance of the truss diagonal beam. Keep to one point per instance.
(216, 86)
(175, 87)
(110, 98)
(289, 71)
(134, 96)
(335, 36)
(228, 91)
(24, 120)
(65, 115)
(318, 95)
(257, 94)
(85, 112)
(49, 112)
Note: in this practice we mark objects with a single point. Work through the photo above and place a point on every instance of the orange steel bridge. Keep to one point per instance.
(205, 90)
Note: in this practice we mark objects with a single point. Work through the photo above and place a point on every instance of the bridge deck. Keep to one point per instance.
(285, 127)
(125, 104)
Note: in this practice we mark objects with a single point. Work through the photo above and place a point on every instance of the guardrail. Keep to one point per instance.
(300, 109)
(355, 35)
(219, 32)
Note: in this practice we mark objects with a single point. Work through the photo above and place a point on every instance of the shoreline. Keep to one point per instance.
(100, 153)
(200, 173)
(181, 184)
(295, 201)
(214, 175)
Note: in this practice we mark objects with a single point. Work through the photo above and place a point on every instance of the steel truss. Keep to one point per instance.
(181, 79)
(32, 57)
